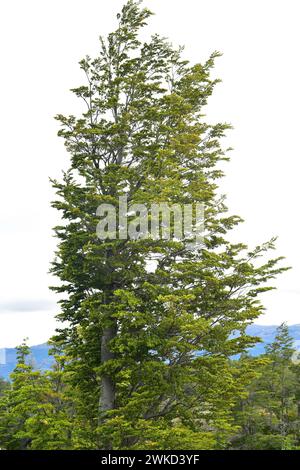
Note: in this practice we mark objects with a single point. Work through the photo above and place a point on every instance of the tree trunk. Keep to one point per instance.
(107, 394)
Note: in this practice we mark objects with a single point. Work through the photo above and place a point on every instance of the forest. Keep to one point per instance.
(151, 352)
(254, 404)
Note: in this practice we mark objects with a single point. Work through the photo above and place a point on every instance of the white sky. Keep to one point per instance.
(41, 44)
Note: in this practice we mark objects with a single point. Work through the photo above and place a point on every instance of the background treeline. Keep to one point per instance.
(254, 403)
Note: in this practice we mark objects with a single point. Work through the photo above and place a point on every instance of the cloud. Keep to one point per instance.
(27, 305)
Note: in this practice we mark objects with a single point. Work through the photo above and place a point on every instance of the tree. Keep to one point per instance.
(139, 310)
(52, 424)
(269, 414)
(18, 402)
(37, 410)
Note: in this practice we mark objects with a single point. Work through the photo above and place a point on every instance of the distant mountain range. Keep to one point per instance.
(41, 359)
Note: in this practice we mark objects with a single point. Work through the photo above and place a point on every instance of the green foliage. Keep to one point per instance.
(134, 334)
(269, 415)
(34, 411)
(4, 385)
(45, 410)
(143, 354)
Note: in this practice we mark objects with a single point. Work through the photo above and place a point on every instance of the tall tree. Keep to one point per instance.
(138, 310)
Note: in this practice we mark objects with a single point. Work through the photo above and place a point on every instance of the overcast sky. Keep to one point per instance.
(41, 44)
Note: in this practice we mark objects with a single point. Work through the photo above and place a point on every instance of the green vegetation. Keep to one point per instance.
(269, 416)
(136, 313)
(255, 404)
